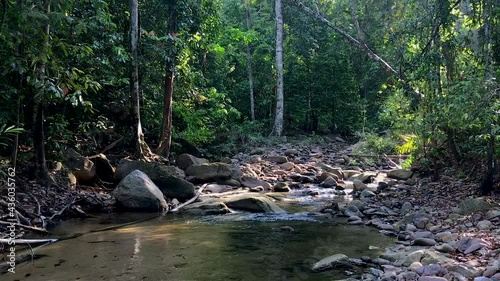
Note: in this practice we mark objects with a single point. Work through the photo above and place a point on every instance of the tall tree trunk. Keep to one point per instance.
(249, 62)
(41, 170)
(142, 149)
(278, 121)
(166, 132)
(487, 185)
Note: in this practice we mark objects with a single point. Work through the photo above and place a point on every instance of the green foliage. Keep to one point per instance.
(7, 133)
(373, 143)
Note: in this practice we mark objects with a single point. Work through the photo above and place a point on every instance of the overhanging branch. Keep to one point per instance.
(358, 43)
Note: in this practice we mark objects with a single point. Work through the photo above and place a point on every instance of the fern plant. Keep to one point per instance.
(7, 133)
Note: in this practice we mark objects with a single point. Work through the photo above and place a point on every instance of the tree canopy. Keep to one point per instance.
(207, 75)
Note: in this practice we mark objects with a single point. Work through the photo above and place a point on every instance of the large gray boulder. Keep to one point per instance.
(168, 178)
(210, 171)
(137, 192)
(185, 160)
(252, 203)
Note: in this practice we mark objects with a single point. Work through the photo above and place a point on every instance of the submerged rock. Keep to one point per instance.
(252, 203)
(331, 262)
(206, 208)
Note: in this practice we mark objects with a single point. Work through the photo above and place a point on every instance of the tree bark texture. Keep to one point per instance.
(278, 121)
(249, 63)
(166, 132)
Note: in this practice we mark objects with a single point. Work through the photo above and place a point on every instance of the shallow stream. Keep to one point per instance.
(240, 246)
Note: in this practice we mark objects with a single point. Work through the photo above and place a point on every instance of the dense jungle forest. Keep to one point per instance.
(230, 107)
(215, 74)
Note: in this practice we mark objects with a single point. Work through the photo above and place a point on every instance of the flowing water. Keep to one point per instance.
(240, 246)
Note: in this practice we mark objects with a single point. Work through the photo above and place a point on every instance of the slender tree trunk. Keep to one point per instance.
(249, 62)
(487, 185)
(278, 121)
(142, 148)
(41, 170)
(166, 132)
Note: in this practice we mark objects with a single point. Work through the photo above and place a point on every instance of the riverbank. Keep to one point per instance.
(441, 231)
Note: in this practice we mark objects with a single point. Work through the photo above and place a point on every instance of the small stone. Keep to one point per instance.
(277, 159)
(420, 222)
(291, 152)
(482, 278)
(431, 270)
(400, 174)
(257, 189)
(385, 226)
(490, 271)
(281, 187)
(467, 272)
(381, 261)
(359, 204)
(334, 261)
(496, 277)
(358, 185)
(423, 234)
(484, 225)
(353, 218)
(415, 265)
(367, 194)
(406, 208)
(287, 166)
(424, 242)
(410, 227)
(444, 248)
(255, 159)
(258, 150)
(446, 236)
(431, 278)
(329, 182)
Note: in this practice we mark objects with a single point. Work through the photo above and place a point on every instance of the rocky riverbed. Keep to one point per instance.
(442, 231)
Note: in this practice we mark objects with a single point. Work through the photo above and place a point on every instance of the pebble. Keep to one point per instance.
(431, 278)
(353, 218)
(484, 225)
(385, 226)
(367, 194)
(422, 234)
(431, 270)
(446, 236)
(424, 242)
(490, 271)
(415, 265)
(444, 248)
(411, 227)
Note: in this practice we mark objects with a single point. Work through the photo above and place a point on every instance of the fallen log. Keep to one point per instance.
(27, 241)
(27, 227)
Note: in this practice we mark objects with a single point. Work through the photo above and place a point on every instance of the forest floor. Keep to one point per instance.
(440, 222)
